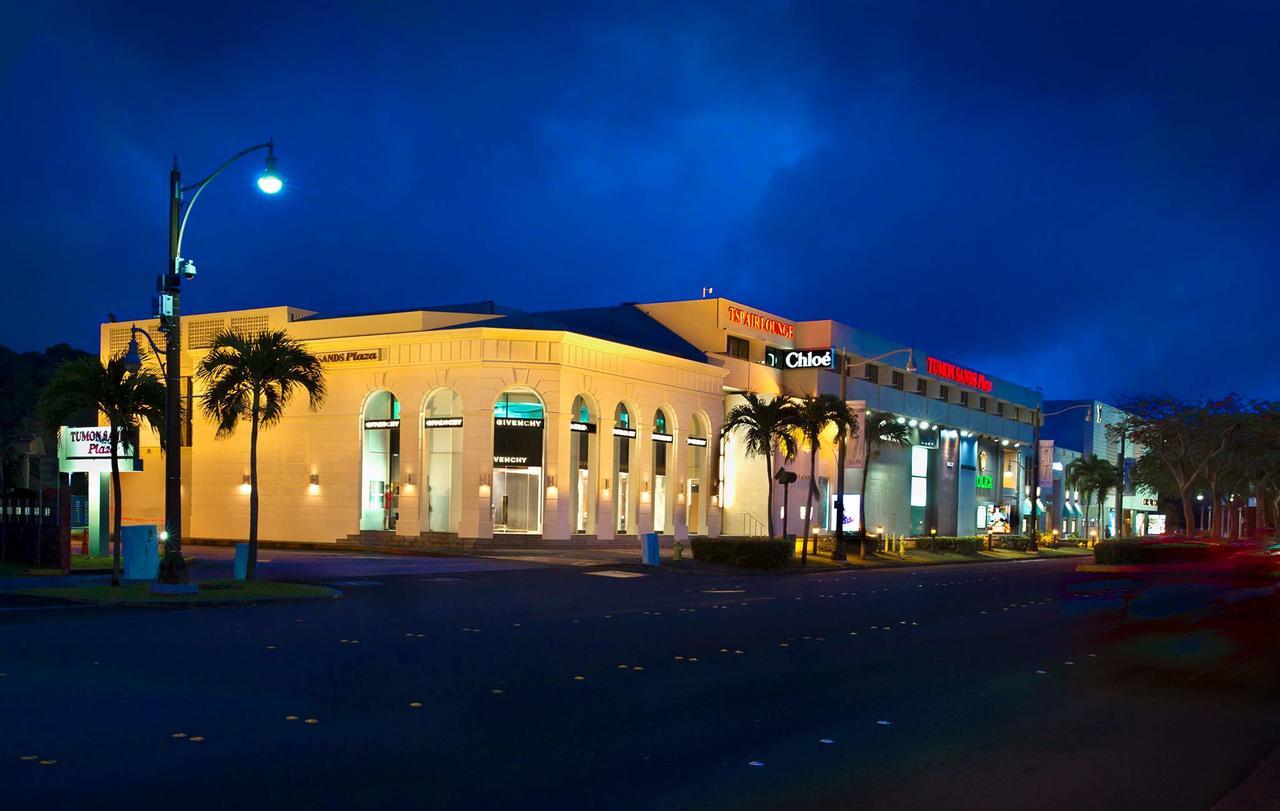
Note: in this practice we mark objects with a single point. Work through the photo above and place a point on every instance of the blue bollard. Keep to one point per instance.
(242, 561)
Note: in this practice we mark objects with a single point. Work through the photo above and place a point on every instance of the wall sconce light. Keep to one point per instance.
(680, 497)
(315, 479)
(245, 487)
(715, 501)
(408, 478)
(552, 491)
(644, 496)
(485, 490)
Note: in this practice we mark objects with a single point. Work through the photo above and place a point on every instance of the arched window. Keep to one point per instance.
(624, 433)
(380, 462)
(661, 442)
(696, 475)
(442, 444)
(518, 423)
(581, 452)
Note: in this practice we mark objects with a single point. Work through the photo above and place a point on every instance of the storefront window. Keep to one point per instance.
(695, 474)
(442, 438)
(661, 447)
(623, 434)
(581, 489)
(518, 422)
(380, 462)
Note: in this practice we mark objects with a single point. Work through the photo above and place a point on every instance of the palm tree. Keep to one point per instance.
(126, 399)
(813, 414)
(768, 428)
(1091, 476)
(883, 431)
(253, 377)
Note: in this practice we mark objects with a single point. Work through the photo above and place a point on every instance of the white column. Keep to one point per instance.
(477, 474)
(556, 499)
(99, 513)
(606, 482)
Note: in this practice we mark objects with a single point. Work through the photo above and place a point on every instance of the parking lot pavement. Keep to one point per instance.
(214, 562)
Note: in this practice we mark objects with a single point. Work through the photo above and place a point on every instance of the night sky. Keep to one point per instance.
(1080, 199)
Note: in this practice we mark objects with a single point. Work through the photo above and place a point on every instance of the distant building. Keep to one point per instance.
(1078, 432)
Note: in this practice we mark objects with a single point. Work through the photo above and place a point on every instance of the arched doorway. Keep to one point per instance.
(662, 439)
(624, 432)
(695, 474)
(518, 423)
(380, 462)
(442, 455)
(582, 425)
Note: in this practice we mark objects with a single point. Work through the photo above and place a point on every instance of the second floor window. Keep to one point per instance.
(738, 348)
(899, 380)
(944, 394)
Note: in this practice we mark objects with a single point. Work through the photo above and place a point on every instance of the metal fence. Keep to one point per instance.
(35, 530)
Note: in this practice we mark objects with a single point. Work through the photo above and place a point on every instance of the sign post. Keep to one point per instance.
(88, 450)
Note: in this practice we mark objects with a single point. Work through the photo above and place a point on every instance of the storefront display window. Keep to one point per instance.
(380, 462)
(442, 439)
(518, 423)
(623, 434)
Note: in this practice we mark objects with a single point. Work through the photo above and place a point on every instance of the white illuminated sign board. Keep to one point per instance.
(375, 425)
(697, 441)
(88, 450)
(800, 358)
(629, 433)
(657, 437)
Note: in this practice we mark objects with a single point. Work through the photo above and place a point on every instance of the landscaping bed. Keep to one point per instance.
(214, 592)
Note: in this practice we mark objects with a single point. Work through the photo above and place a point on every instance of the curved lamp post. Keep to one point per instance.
(839, 552)
(173, 568)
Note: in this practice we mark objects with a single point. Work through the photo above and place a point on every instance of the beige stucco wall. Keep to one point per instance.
(479, 363)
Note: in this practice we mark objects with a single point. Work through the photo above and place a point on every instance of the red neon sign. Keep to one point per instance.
(958, 374)
(764, 323)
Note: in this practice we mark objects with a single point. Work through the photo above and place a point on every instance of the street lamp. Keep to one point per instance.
(173, 569)
(839, 552)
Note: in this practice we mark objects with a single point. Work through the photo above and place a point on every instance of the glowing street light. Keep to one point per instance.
(269, 181)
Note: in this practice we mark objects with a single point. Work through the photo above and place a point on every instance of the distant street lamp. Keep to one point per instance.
(173, 569)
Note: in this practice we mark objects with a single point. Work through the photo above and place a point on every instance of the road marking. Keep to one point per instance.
(615, 573)
(355, 583)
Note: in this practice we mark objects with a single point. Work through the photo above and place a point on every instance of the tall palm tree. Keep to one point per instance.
(767, 426)
(813, 414)
(125, 399)
(1093, 477)
(253, 376)
(883, 432)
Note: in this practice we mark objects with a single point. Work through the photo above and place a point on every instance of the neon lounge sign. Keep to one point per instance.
(764, 323)
(958, 374)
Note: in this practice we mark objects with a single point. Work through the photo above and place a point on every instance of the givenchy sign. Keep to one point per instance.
(442, 422)
(657, 437)
(374, 425)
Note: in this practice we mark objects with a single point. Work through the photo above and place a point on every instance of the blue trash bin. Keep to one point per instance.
(140, 548)
(242, 561)
(649, 549)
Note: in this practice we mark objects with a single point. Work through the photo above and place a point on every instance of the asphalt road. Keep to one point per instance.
(980, 686)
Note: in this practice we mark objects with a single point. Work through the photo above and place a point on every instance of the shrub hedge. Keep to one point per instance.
(948, 543)
(747, 553)
(1125, 551)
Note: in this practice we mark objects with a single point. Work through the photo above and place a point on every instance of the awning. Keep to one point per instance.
(1026, 507)
(1071, 510)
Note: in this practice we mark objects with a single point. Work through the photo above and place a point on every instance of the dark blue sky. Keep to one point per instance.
(1081, 198)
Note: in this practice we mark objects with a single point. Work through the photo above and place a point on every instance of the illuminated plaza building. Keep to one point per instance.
(478, 425)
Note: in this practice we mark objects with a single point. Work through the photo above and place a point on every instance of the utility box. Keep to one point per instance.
(649, 549)
(140, 548)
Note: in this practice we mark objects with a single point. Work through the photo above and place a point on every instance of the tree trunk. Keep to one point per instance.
(252, 568)
(839, 552)
(1187, 510)
(116, 499)
(808, 502)
(768, 509)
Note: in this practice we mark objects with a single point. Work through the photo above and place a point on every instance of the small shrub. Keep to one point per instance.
(1018, 543)
(948, 543)
(1117, 553)
(747, 553)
